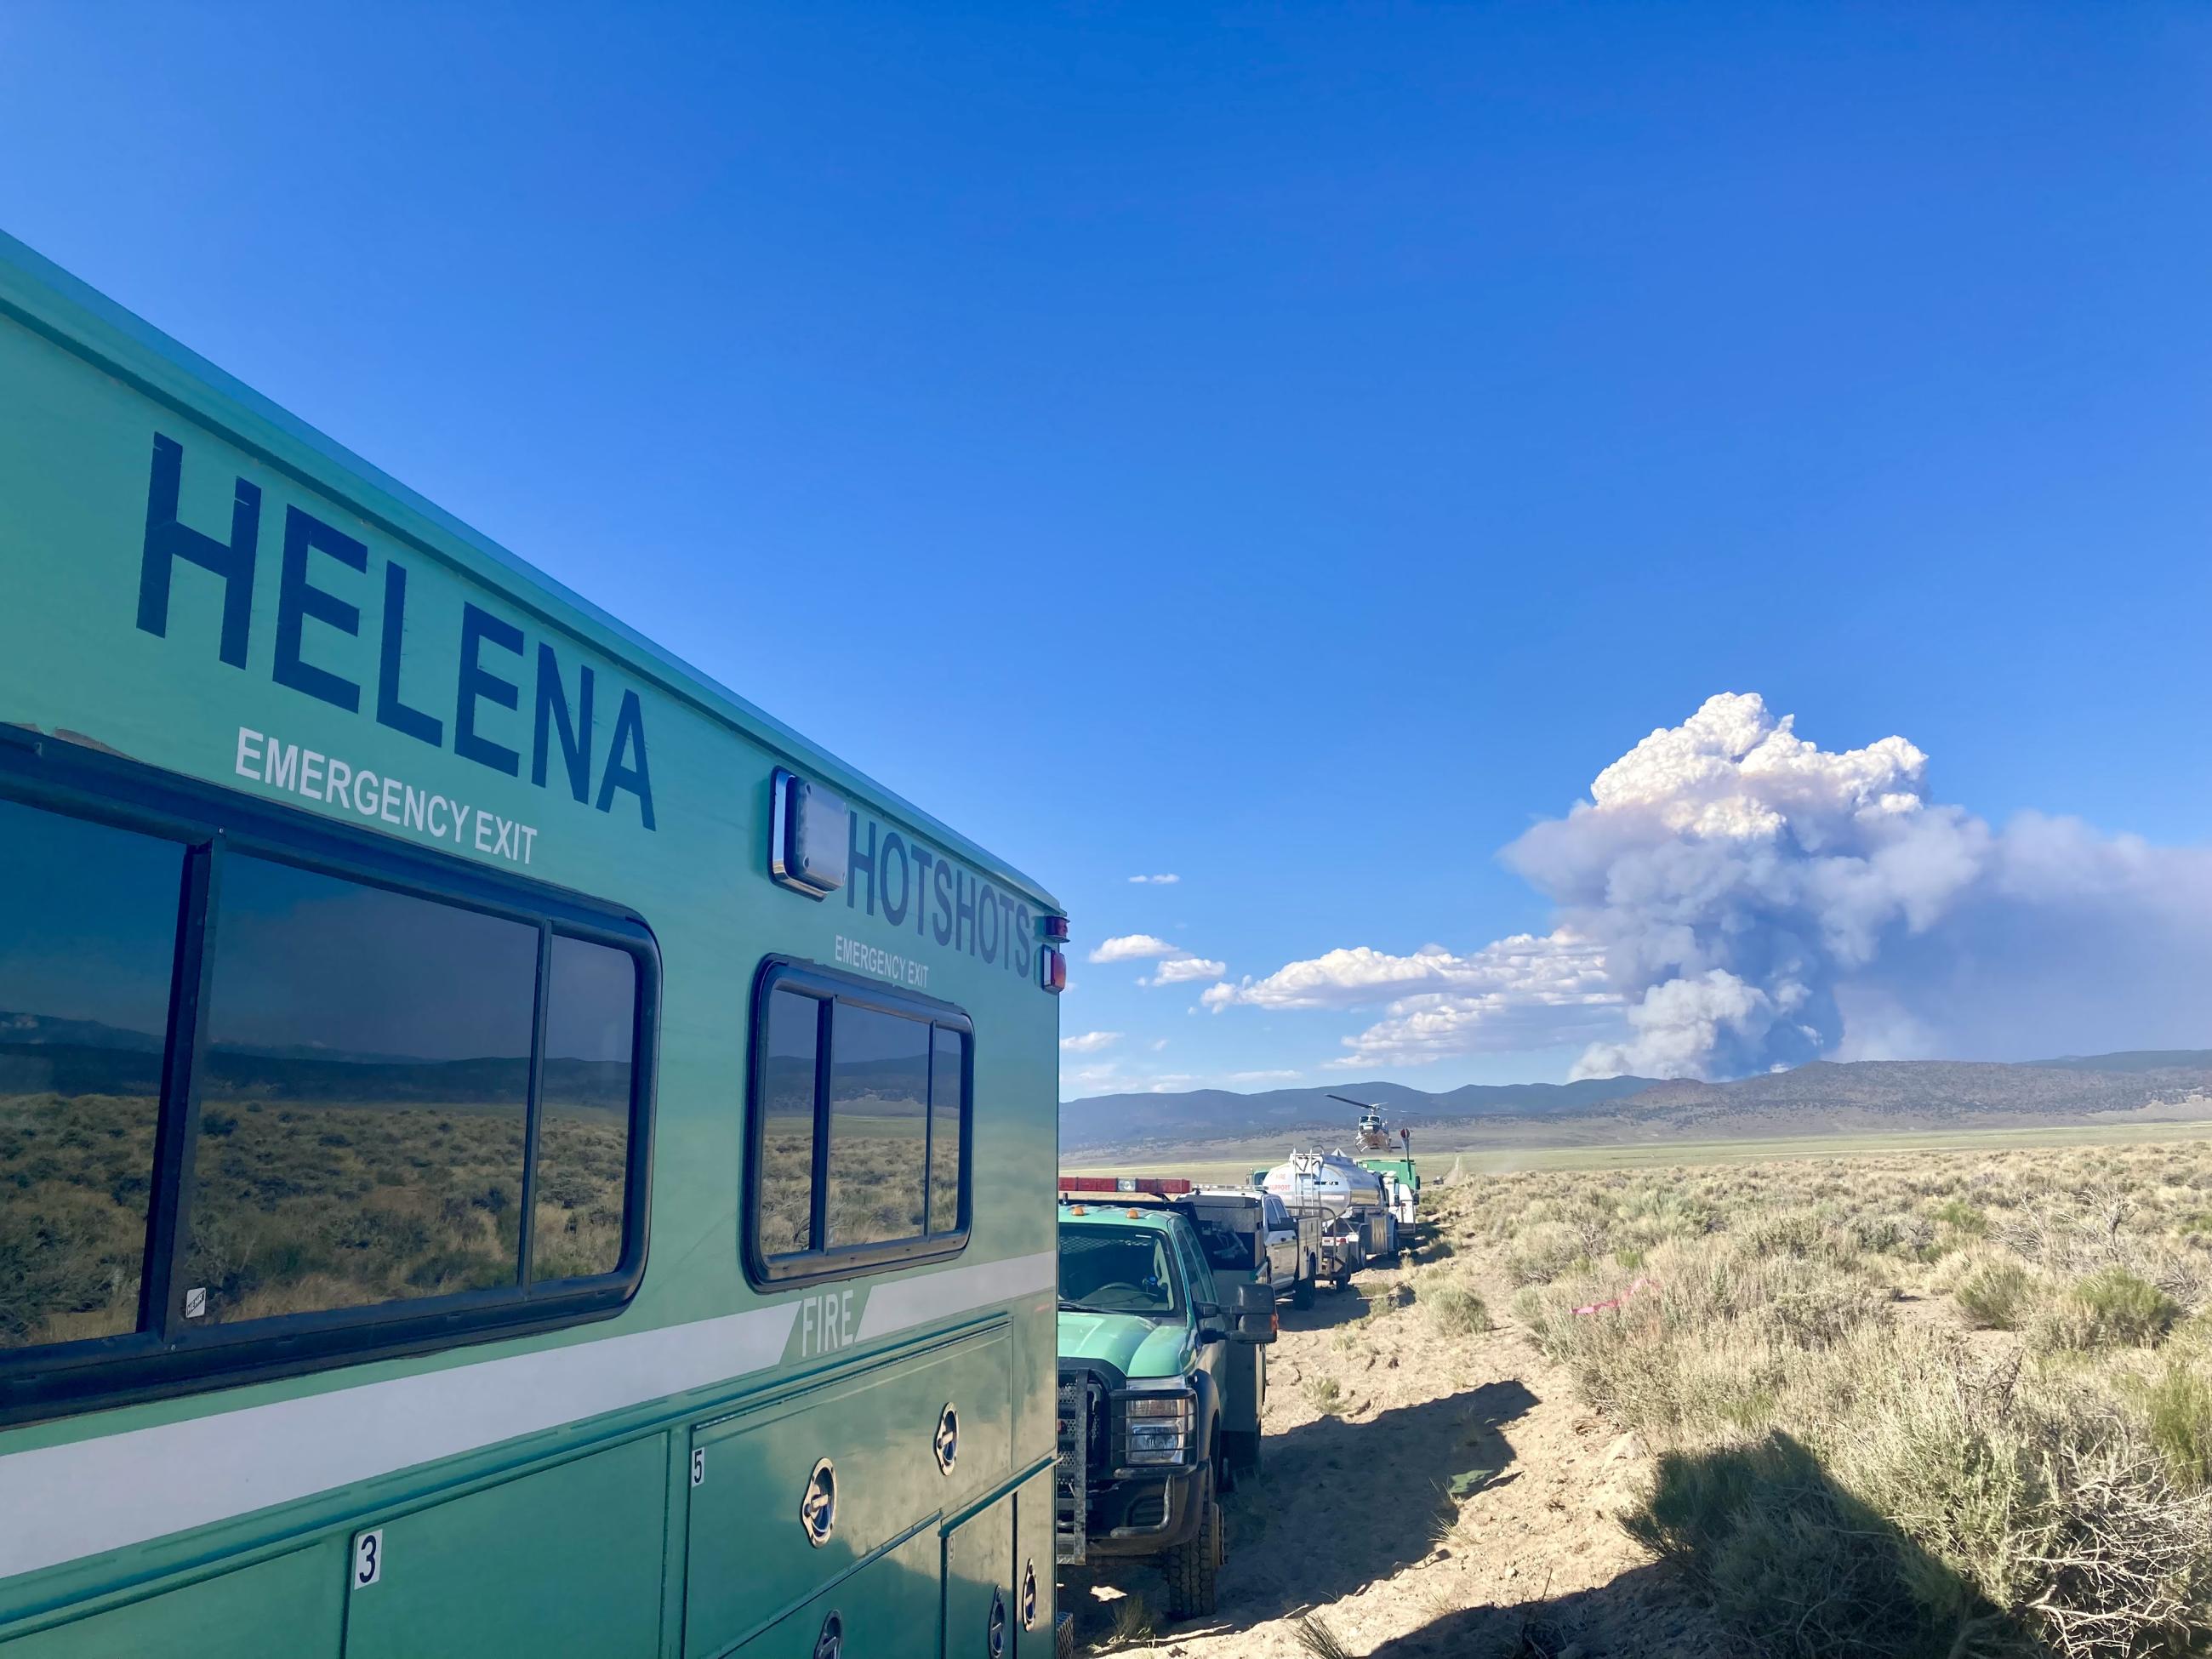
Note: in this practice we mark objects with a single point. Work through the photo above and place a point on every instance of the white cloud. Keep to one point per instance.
(1091, 1080)
(1263, 1076)
(1090, 1042)
(1135, 947)
(1177, 966)
(1157, 881)
(1158, 1043)
(1181, 970)
(1732, 897)
(1559, 967)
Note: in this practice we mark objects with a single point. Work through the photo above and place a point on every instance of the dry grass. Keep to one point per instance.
(1317, 1639)
(1133, 1625)
(295, 1205)
(1942, 1404)
(1325, 1394)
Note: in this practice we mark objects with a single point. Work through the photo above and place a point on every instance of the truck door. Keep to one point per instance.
(1284, 1267)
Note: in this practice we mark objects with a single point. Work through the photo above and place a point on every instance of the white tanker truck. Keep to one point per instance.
(1359, 1224)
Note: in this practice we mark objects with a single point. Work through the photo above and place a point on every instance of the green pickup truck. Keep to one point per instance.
(1162, 1383)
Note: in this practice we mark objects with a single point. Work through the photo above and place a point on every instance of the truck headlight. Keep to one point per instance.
(1157, 1427)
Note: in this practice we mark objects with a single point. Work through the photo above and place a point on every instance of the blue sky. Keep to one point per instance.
(1295, 449)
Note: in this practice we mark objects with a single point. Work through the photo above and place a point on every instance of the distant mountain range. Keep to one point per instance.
(40, 1055)
(1223, 1115)
(1822, 1099)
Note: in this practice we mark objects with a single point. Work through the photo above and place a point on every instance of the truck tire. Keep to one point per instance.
(1193, 1570)
(1302, 1292)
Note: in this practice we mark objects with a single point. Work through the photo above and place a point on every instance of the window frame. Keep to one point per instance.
(168, 1356)
(818, 1265)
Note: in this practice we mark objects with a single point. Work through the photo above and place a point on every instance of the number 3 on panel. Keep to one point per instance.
(367, 1559)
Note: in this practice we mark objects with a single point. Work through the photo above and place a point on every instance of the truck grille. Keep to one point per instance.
(1083, 1438)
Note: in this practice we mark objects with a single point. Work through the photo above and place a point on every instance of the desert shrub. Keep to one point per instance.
(2113, 1307)
(1959, 1214)
(1385, 1298)
(2177, 1407)
(1996, 1295)
(1653, 1215)
(1542, 1251)
(1792, 1561)
(1842, 1480)
(1803, 1234)
(1936, 1512)
(1703, 1344)
(1454, 1311)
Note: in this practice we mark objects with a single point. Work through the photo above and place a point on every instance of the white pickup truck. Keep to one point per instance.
(1293, 1241)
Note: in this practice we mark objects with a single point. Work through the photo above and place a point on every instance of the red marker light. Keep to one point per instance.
(1052, 970)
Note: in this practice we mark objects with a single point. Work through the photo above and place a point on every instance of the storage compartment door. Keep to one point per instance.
(566, 1562)
(1034, 1597)
(871, 1442)
(882, 1610)
(978, 1585)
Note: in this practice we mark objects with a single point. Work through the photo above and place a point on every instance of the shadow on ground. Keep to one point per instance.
(1393, 1477)
(1330, 1308)
(1790, 1563)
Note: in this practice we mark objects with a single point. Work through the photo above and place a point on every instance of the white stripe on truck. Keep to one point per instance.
(61, 1503)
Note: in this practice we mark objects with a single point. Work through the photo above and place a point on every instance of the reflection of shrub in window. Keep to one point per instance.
(364, 1105)
(888, 1132)
(784, 1217)
(878, 1122)
(583, 1120)
(947, 1128)
(87, 934)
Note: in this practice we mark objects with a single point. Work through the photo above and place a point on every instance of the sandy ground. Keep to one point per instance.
(1461, 1502)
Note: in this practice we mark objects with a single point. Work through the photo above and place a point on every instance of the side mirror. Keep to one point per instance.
(1255, 1328)
(1248, 1298)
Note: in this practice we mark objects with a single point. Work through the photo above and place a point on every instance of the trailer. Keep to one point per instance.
(1357, 1225)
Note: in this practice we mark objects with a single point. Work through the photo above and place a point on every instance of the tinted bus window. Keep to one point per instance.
(362, 1097)
(88, 935)
(948, 1149)
(583, 1109)
(878, 1121)
(785, 1212)
(860, 1153)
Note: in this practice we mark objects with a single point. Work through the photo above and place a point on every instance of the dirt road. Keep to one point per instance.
(1456, 1501)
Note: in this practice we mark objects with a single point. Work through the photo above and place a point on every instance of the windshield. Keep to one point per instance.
(1115, 1270)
